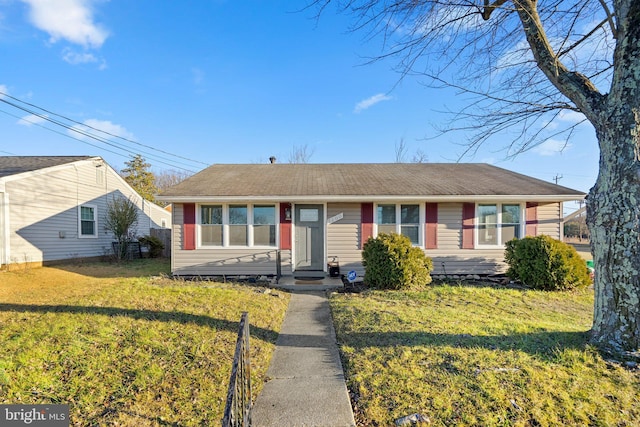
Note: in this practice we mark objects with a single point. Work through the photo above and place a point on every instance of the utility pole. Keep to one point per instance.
(556, 178)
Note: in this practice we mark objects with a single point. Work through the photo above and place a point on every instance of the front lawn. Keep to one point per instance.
(480, 356)
(124, 346)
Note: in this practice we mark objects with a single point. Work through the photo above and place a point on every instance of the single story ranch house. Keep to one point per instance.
(293, 219)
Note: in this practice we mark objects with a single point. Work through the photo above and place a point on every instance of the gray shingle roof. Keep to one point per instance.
(356, 180)
(12, 165)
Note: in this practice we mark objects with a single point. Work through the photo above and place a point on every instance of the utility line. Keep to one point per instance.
(82, 132)
(3, 97)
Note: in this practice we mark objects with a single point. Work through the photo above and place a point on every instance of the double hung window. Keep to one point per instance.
(264, 225)
(88, 221)
(498, 223)
(237, 225)
(211, 225)
(402, 219)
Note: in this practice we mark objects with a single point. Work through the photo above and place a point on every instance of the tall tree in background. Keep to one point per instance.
(139, 177)
(527, 66)
(168, 178)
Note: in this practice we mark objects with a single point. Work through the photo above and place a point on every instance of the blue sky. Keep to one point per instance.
(229, 82)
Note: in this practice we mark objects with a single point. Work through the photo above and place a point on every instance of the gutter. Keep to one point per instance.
(375, 198)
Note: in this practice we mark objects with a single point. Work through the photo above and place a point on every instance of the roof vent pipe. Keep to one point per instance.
(272, 159)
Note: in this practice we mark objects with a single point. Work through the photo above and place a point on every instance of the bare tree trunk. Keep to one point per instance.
(613, 216)
(613, 205)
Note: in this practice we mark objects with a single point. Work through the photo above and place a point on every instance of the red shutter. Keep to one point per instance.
(531, 219)
(431, 226)
(468, 218)
(366, 212)
(189, 226)
(285, 226)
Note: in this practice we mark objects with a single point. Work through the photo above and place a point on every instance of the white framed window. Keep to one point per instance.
(264, 225)
(237, 225)
(401, 218)
(211, 225)
(87, 221)
(498, 223)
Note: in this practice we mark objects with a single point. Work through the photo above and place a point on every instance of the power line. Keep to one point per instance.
(39, 114)
(86, 134)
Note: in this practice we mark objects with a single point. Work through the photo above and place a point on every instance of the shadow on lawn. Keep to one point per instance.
(536, 343)
(144, 267)
(160, 316)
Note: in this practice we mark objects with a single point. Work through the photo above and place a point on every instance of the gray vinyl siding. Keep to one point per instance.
(177, 237)
(449, 226)
(221, 261)
(229, 262)
(44, 214)
(450, 258)
(344, 236)
(467, 261)
(549, 222)
(343, 241)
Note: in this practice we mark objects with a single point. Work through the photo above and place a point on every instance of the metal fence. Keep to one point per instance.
(237, 411)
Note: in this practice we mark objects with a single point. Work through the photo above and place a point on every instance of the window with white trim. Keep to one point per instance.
(264, 225)
(498, 223)
(237, 225)
(211, 225)
(87, 221)
(401, 219)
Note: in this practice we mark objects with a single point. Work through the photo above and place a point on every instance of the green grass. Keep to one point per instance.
(124, 346)
(479, 356)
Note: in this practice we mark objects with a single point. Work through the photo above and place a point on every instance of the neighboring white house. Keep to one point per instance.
(53, 208)
(295, 218)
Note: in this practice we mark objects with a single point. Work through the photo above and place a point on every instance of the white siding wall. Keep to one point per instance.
(43, 212)
(343, 237)
(221, 261)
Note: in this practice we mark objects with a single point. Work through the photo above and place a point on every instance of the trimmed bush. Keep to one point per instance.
(154, 244)
(545, 263)
(392, 262)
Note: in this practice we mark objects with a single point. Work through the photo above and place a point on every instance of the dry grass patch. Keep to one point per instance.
(124, 346)
(480, 356)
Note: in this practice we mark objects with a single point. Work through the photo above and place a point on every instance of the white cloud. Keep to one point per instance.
(370, 102)
(75, 58)
(106, 126)
(71, 20)
(4, 90)
(570, 116)
(551, 147)
(31, 119)
(567, 117)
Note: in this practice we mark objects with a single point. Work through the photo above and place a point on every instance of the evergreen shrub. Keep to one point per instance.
(545, 263)
(154, 244)
(392, 262)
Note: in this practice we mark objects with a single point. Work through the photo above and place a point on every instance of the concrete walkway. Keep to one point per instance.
(306, 385)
